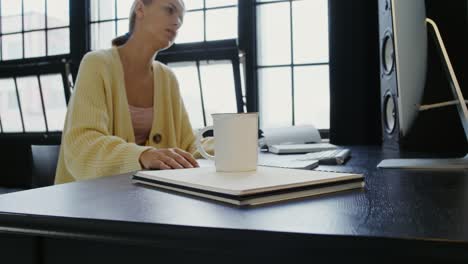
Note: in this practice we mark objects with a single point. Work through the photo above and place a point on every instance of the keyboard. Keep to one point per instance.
(330, 157)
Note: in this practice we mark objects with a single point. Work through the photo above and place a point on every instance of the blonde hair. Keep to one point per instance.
(121, 40)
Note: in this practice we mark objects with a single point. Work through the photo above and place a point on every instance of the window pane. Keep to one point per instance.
(216, 3)
(9, 110)
(54, 101)
(274, 34)
(11, 16)
(34, 14)
(58, 41)
(218, 88)
(123, 8)
(94, 10)
(102, 35)
(34, 44)
(122, 27)
(193, 4)
(31, 104)
(102, 9)
(275, 97)
(310, 25)
(58, 13)
(106, 9)
(221, 24)
(187, 76)
(12, 47)
(192, 29)
(312, 96)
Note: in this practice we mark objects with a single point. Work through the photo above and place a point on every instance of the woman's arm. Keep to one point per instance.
(90, 150)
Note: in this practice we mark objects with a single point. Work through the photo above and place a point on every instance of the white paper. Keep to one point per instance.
(291, 135)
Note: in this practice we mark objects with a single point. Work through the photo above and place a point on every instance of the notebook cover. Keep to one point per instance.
(263, 180)
(262, 198)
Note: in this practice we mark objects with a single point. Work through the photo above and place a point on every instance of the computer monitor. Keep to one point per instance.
(409, 54)
(410, 58)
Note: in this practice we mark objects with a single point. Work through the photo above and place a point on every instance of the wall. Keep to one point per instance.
(354, 72)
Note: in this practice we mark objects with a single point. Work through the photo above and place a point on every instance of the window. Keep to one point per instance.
(292, 62)
(199, 84)
(34, 69)
(204, 21)
(209, 20)
(9, 108)
(109, 18)
(34, 28)
(279, 47)
(209, 77)
(33, 101)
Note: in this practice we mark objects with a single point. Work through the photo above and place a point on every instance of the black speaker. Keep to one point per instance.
(388, 78)
(437, 130)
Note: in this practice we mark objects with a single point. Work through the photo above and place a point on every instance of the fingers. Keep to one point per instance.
(165, 159)
(172, 162)
(180, 159)
(161, 165)
(188, 157)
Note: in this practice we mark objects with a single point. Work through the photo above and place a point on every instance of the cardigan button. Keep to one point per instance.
(157, 138)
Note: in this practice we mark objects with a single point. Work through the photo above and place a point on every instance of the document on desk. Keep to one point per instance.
(264, 185)
(273, 160)
(301, 148)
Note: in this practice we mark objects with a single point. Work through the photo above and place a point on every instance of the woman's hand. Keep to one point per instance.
(166, 159)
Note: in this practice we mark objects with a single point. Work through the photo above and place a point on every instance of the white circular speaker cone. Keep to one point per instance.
(389, 114)
(388, 54)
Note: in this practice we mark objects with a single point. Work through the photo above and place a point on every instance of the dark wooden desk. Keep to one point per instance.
(400, 215)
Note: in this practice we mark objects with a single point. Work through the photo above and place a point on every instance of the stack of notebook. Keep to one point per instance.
(264, 185)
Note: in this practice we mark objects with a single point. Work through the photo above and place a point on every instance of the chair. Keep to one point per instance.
(44, 164)
(15, 163)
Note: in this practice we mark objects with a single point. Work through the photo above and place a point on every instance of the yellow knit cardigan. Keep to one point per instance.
(98, 138)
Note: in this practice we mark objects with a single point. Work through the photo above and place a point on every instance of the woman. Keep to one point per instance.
(126, 112)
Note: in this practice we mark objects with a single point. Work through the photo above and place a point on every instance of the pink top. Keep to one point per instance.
(142, 121)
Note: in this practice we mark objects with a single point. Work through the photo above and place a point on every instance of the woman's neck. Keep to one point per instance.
(137, 56)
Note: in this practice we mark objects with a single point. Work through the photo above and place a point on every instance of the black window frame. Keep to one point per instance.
(63, 64)
(206, 51)
(241, 50)
(36, 70)
(291, 65)
(46, 29)
(249, 24)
